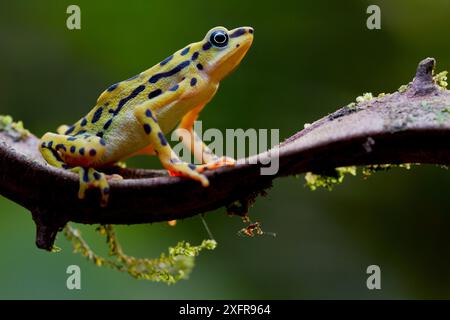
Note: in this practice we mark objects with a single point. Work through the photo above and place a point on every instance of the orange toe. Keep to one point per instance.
(174, 173)
(223, 162)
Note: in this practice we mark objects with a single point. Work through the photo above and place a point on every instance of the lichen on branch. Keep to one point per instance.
(15, 130)
(411, 125)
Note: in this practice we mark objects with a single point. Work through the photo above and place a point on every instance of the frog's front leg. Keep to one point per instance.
(79, 155)
(167, 156)
(198, 148)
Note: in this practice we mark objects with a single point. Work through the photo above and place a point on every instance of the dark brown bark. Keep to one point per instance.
(408, 127)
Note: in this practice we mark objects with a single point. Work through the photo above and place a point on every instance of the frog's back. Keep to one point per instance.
(112, 118)
(118, 99)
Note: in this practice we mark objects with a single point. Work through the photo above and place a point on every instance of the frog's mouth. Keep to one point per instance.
(239, 43)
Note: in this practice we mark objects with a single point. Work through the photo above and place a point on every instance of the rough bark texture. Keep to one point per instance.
(408, 127)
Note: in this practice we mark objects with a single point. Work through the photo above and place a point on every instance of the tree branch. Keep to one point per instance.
(412, 126)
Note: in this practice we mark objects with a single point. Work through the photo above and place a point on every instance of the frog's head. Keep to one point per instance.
(221, 51)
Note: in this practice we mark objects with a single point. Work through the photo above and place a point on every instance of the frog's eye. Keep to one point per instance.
(219, 38)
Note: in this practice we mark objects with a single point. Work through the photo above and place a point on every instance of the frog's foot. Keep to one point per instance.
(188, 170)
(217, 163)
(90, 179)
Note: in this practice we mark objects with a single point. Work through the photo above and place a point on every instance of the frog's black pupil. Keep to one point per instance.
(219, 39)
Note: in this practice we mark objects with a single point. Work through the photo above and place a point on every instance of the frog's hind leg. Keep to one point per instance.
(63, 150)
(78, 154)
(167, 156)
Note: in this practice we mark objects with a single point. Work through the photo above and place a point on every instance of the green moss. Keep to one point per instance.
(13, 129)
(169, 268)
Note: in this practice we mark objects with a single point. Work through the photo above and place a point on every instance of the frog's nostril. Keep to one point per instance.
(250, 30)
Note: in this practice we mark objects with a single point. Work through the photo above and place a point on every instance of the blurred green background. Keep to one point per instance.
(308, 59)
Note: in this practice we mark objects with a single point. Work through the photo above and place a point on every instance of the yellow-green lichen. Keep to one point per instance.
(371, 169)
(402, 88)
(168, 268)
(328, 181)
(13, 129)
(441, 79)
(314, 181)
(366, 96)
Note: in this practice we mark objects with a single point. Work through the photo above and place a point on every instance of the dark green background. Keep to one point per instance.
(308, 59)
